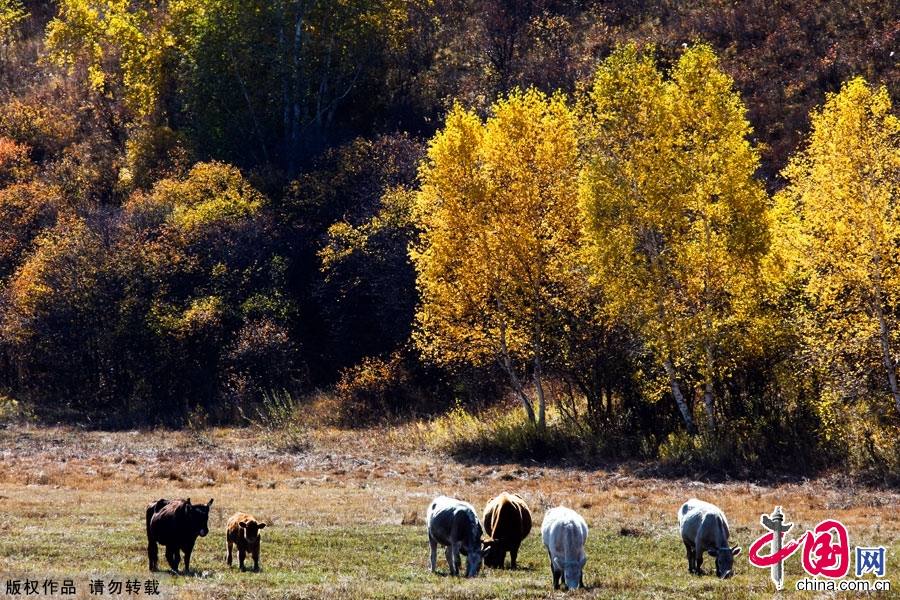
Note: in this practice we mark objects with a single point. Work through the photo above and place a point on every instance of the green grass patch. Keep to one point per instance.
(99, 535)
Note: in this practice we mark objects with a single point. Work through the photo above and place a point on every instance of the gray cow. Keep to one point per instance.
(705, 529)
(454, 524)
(564, 533)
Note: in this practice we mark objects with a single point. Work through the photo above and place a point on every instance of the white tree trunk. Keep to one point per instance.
(708, 406)
(518, 388)
(708, 396)
(679, 397)
(884, 335)
(539, 391)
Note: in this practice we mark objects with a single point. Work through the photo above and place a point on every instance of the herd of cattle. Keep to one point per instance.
(453, 524)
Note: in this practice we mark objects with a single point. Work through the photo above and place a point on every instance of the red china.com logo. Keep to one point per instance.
(825, 554)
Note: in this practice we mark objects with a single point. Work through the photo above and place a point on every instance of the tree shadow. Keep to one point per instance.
(640, 469)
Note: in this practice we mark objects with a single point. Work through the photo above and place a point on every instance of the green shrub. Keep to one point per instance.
(504, 433)
(378, 389)
(872, 444)
(279, 417)
(13, 411)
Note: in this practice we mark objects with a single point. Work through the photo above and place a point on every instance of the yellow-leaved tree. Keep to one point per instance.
(676, 224)
(845, 186)
(119, 48)
(499, 220)
(12, 12)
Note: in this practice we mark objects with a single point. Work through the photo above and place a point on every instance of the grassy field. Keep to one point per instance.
(346, 517)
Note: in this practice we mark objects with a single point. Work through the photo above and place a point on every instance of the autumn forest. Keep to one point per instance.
(655, 230)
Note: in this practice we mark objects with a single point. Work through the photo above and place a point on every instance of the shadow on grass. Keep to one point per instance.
(192, 574)
(518, 569)
(705, 460)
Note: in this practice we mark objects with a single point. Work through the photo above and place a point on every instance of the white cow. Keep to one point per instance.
(454, 524)
(564, 533)
(704, 528)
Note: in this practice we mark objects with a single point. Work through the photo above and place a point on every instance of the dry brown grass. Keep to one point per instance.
(379, 480)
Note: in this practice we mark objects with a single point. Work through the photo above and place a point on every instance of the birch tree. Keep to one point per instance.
(845, 186)
(676, 223)
(498, 214)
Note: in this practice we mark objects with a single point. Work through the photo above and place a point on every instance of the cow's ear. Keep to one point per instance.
(736, 550)
(188, 501)
(262, 525)
(210, 502)
(242, 525)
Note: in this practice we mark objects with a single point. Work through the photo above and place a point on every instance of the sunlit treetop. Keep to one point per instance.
(210, 192)
(845, 188)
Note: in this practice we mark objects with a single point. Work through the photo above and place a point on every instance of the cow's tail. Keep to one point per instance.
(152, 548)
(495, 517)
(151, 510)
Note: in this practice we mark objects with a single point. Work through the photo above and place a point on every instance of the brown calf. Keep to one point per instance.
(243, 531)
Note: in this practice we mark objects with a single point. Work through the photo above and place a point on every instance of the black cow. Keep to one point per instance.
(175, 524)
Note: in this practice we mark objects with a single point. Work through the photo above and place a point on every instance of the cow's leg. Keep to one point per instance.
(228, 557)
(153, 554)
(513, 553)
(451, 562)
(457, 561)
(690, 557)
(256, 557)
(553, 572)
(698, 559)
(242, 555)
(188, 548)
(172, 557)
(433, 544)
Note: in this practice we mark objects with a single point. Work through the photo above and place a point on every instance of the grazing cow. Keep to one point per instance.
(454, 524)
(564, 533)
(175, 524)
(243, 531)
(705, 529)
(507, 521)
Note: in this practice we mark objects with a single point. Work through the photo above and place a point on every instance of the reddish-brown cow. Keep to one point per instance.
(243, 532)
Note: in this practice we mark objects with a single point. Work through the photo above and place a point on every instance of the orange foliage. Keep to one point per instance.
(15, 163)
